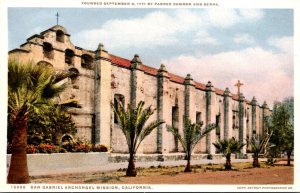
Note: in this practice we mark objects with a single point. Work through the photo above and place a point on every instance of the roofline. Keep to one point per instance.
(18, 50)
(219, 92)
(146, 69)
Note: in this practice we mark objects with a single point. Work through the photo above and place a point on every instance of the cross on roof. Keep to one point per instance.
(57, 18)
(238, 85)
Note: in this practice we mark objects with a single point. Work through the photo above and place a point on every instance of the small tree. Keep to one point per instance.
(282, 125)
(133, 125)
(227, 147)
(192, 134)
(258, 145)
(30, 88)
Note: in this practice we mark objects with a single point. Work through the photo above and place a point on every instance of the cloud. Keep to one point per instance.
(225, 18)
(284, 44)
(265, 74)
(139, 32)
(222, 17)
(243, 39)
(204, 38)
(154, 29)
(161, 28)
(251, 14)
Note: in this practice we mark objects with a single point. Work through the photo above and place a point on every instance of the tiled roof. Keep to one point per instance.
(176, 78)
(120, 61)
(219, 91)
(153, 71)
(200, 86)
(149, 70)
(235, 96)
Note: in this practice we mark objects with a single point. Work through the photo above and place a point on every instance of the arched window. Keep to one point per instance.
(48, 50)
(175, 124)
(69, 56)
(233, 122)
(87, 61)
(66, 138)
(60, 36)
(118, 99)
(235, 119)
(218, 129)
(44, 63)
(74, 77)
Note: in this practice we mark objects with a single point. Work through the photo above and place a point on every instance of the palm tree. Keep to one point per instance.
(227, 147)
(133, 125)
(192, 134)
(258, 145)
(30, 88)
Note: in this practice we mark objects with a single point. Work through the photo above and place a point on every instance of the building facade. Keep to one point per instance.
(100, 78)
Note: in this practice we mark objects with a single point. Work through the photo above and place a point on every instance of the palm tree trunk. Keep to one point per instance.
(188, 165)
(289, 153)
(255, 163)
(228, 162)
(131, 171)
(18, 170)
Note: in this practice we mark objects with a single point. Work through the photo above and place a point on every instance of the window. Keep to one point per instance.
(175, 116)
(48, 50)
(118, 99)
(235, 119)
(69, 56)
(218, 132)
(175, 124)
(74, 77)
(60, 36)
(233, 122)
(66, 138)
(198, 118)
(87, 61)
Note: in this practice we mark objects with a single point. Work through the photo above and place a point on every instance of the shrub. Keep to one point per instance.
(83, 147)
(47, 148)
(30, 149)
(78, 146)
(62, 150)
(65, 147)
(69, 146)
(100, 148)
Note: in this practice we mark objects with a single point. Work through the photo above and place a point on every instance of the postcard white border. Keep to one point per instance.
(286, 4)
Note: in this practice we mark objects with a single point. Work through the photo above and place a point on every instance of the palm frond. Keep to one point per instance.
(133, 123)
(259, 143)
(29, 86)
(192, 134)
(228, 146)
(147, 131)
(59, 76)
(142, 117)
(72, 103)
(177, 136)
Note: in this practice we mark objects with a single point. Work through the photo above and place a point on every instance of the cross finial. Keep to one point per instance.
(238, 85)
(57, 18)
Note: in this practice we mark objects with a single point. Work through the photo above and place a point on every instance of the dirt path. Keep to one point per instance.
(274, 175)
(266, 175)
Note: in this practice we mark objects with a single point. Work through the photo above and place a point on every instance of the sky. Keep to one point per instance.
(219, 45)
